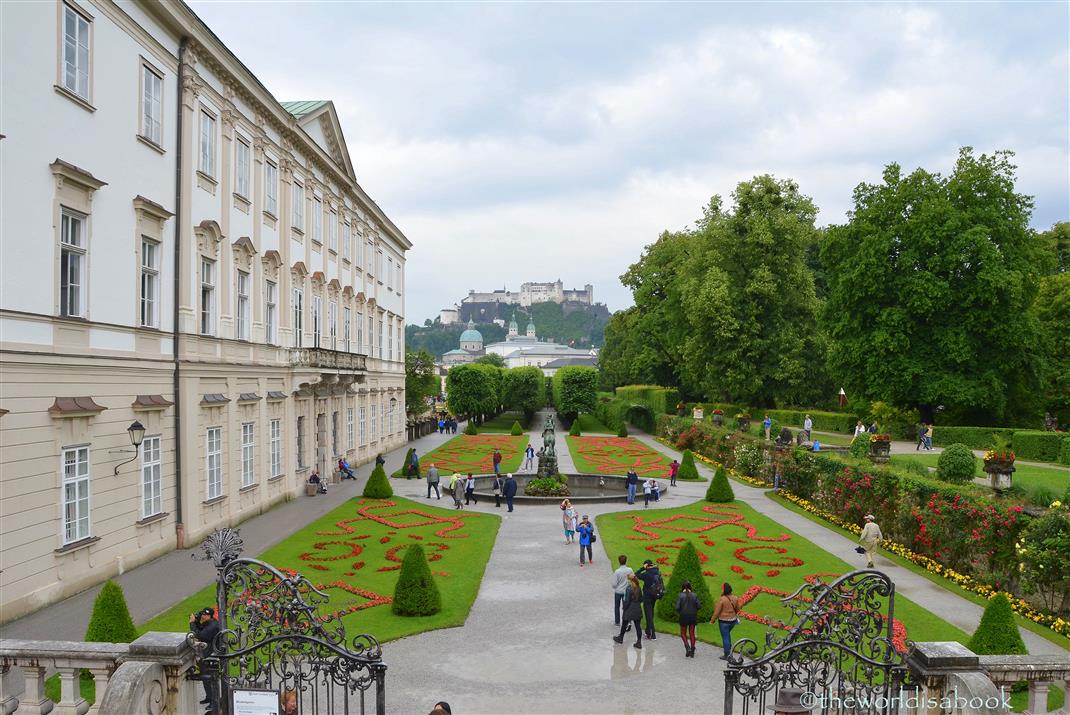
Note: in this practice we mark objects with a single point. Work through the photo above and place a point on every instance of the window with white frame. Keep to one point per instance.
(207, 297)
(382, 338)
(360, 333)
(369, 251)
(389, 273)
(317, 219)
(332, 324)
(382, 422)
(301, 443)
(347, 236)
(76, 50)
(271, 188)
(397, 278)
(275, 446)
(371, 334)
(350, 434)
(317, 320)
(241, 289)
(72, 266)
(75, 494)
(358, 253)
(347, 318)
(371, 421)
(150, 283)
(248, 443)
(298, 316)
(151, 105)
(332, 231)
(271, 315)
(379, 266)
(151, 486)
(242, 164)
(298, 207)
(390, 342)
(363, 426)
(213, 451)
(207, 159)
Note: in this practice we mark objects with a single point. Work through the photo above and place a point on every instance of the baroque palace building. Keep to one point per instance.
(180, 249)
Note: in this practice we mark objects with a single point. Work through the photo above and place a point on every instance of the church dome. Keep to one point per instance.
(471, 335)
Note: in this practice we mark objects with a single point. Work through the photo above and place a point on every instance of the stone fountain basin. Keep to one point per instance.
(584, 488)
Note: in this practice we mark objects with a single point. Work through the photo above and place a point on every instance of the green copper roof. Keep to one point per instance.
(300, 109)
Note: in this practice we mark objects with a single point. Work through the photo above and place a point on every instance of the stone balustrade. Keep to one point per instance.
(1040, 672)
(143, 677)
(325, 359)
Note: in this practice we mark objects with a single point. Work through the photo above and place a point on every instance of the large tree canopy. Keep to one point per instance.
(421, 381)
(930, 284)
(524, 389)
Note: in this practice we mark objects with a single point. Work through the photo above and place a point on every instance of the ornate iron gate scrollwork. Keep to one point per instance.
(273, 636)
(839, 646)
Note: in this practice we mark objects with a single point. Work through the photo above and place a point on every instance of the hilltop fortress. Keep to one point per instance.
(497, 305)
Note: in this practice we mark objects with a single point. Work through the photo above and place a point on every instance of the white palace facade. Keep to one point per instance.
(177, 249)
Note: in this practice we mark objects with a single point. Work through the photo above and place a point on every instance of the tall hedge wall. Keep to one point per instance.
(1037, 445)
(662, 400)
(973, 437)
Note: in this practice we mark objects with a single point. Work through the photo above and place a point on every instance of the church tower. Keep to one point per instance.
(531, 328)
(514, 329)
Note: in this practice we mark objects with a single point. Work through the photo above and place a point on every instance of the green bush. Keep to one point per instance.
(623, 431)
(416, 593)
(548, 487)
(516, 430)
(378, 486)
(1064, 452)
(997, 634)
(1044, 566)
(662, 400)
(470, 428)
(575, 390)
(956, 464)
(720, 491)
(687, 568)
(859, 448)
(972, 437)
(1037, 445)
(748, 458)
(406, 466)
(111, 621)
(688, 471)
(823, 421)
(574, 430)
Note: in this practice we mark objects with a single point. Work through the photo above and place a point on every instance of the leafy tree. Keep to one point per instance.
(1045, 542)
(580, 328)
(110, 621)
(629, 357)
(491, 359)
(1057, 242)
(956, 464)
(421, 381)
(416, 593)
(1052, 309)
(997, 634)
(525, 390)
(378, 486)
(575, 390)
(687, 568)
(929, 288)
(472, 389)
(720, 491)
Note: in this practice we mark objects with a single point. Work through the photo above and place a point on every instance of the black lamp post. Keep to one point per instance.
(136, 431)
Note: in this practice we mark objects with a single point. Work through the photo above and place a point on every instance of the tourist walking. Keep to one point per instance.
(509, 490)
(457, 488)
(568, 520)
(921, 437)
(860, 428)
(870, 537)
(414, 464)
(497, 459)
(344, 470)
(432, 481)
(441, 426)
(633, 611)
(498, 484)
(767, 423)
(929, 437)
(653, 589)
(673, 469)
(585, 529)
(687, 606)
(529, 456)
(470, 489)
(632, 480)
(726, 614)
(620, 585)
(379, 460)
(648, 489)
(808, 426)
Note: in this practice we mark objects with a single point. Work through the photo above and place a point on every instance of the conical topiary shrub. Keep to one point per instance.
(416, 593)
(574, 430)
(406, 466)
(997, 634)
(111, 621)
(687, 471)
(720, 490)
(470, 428)
(686, 568)
(516, 430)
(378, 486)
(623, 431)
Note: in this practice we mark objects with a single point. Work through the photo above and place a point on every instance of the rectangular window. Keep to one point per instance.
(298, 316)
(390, 342)
(382, 422)
(275, 442)
(150, 283)
(332, 231)
(379, 266)
(247, 443)
(151, 105)
(332, 324)
(298, 208)
(371, 422)
(271, 306)
(317, 220)
(358, 253)
(347, 236)
(360, 333)
(72, 271)
(301, 442)
(317, 320)
(271, 188)
(350, 435)
(207, 297)
(214, 461)
(347, 318)
(334, 433)
(382, 338)
(363, 426)
(369, 251)
(241, 161)
(397, 280)
(390, 273)
(242, 312)
(207, 164)
(371, 333)
(75, 52)
(75, 494)
(151, 494)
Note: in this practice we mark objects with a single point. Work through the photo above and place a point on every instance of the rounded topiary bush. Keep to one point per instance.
(574, 430)
(687, 470)
(111, 621)
(516, 430)
(623, 431)
(956, 464)
(997, 634)
(470, 428)
(416, 593)
(720, 490)
(687, 568)
(378, 486)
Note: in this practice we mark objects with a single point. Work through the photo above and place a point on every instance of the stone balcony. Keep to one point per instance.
(327, 359)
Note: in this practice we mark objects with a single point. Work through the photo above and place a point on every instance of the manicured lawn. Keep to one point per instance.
(473, 453)
(590, 423)
(354, 553)
(763, 562)
(616, 455)
(1030, 478)
(504, 422)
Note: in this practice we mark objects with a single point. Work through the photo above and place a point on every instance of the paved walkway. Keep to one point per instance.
(154, 587)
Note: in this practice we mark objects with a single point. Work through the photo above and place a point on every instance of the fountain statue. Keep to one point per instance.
(548, 455)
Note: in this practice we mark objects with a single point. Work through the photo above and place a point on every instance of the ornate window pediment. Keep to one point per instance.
(209, 236)
(272, 262)
(244, 250)
(299, 270)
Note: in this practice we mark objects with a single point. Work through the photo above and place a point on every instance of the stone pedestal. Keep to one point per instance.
(880, 452)
(1000, 475)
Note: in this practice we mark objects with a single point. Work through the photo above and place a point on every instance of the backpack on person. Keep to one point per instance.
(657, 588)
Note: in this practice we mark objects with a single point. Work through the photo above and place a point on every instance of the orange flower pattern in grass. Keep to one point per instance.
(472, 453)
(618, 455)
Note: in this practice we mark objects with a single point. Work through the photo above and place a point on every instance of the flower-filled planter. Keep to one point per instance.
(999, 465)
(880, 447)
(743, 420)
(718, 418)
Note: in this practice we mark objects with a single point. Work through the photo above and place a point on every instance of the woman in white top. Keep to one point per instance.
(648, 488)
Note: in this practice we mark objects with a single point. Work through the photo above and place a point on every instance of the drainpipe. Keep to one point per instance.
(180, 529)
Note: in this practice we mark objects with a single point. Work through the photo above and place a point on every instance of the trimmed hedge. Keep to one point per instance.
(416, 593)
(378, 486)
(614, 413)
(662, 400)
(686, 568)
(997, 634)
(1037, 445)
(622, 431)
(956, 464)
(516, 430)
(574, 430)
(823, 421)
(470, 428)
(1064, 452)
(972, 437)
(720, 491)
(111, 621)
(687, 470)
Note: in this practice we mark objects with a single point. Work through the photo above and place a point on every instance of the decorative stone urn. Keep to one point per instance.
(718, 419)
(880, 450)
(744, 423)
(1000, 474)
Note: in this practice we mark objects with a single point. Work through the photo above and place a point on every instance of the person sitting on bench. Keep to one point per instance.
(315, 479)
(344, 470)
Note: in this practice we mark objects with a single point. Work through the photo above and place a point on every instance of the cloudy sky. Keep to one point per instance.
(516, 142)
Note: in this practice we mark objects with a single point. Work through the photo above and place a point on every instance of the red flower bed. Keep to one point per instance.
(617, 455)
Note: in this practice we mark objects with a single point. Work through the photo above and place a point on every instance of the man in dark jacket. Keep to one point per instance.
(509, 490)
(653, 588)
(633, 482)
(205, 627)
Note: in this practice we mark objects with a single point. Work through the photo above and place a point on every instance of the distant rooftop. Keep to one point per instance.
(300, 109)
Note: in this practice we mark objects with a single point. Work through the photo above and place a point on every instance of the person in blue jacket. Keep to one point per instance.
(509, 490)
(633, 482)
(586, 532)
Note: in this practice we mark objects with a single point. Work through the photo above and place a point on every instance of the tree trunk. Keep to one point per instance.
(927, 412)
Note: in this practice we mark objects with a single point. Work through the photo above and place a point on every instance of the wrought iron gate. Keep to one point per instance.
(273, 636)
(841, 646)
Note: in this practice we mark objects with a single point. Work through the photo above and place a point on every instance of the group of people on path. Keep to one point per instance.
(447, 425)
(651, 488)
